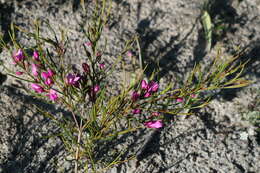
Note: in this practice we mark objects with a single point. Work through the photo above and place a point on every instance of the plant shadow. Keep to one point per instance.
(159, 55)
(6, 11)
(30, 149)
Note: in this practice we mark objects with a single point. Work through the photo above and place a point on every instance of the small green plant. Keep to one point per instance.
(217, 18)
(253, 113)
(97, 114)
(207, 26)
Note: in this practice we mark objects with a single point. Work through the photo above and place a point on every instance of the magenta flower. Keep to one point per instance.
(48, 81)
(136, 111)
(73, 79)
(135, 96)
(36, 55)
(48, 74)
(144, 85)
(52, 95)
(179, 99)
(96, 88)
(147, 94)
(37, 88)
(153, 86)
(18, 73)
(35, 69)
(154, 124)
(45, 75)
(101, 65)
(18, 56)
(86, 67)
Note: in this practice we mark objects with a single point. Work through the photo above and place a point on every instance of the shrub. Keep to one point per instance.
(95, 112)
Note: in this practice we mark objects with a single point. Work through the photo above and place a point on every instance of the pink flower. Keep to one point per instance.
(179, 99)
(136, 111)
(52, 95)
(18, 56)
(129, 53)
(147, 94)
(36, 55)
(35, 69)
(45, 75)
(144, 85)
(48, 81)
(18, 73)
(86, 67)
(50, 72)
(37, 88)
(73, 79)
(153, 86)
(96, 88)
(154, 124)
(135, 96)
(102, 65)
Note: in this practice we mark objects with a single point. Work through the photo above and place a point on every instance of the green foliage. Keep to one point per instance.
(207, 26)
(252, 114)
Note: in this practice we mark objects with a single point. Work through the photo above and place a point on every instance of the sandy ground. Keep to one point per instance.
(215, 139)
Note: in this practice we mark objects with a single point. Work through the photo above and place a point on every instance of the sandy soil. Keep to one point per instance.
(216, 139)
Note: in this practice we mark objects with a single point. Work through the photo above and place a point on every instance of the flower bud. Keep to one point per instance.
(179, 99)
(45, 75)
(18, 56)
(96, 88)
(147, 94)
(136, 111)
(50, 72)
(36, 55)
(48, 81)
(18, 73)
(144, 85)
(37, 88)
(153, 86)
(135, 96)
(86, 67)
(52, 95)
(101, 65)
(35, 69)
